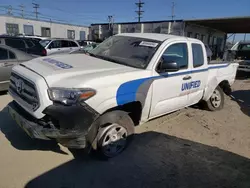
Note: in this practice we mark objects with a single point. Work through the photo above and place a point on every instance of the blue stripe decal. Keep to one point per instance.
(127, 91)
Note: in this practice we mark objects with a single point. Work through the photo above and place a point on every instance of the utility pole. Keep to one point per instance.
(139, 11)
(36, 6)
(233, 38)
(22, 9)
(111, 21)
(172, 11)
(10, 10)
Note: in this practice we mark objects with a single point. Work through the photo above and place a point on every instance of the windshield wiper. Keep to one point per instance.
(93, 55)
(105, 58)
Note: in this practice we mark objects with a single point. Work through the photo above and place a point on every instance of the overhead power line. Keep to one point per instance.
(139, 11)
(10, 10)
(22, 10)
(173, 11)
(36, 6)
(30, 14)
(111, 22)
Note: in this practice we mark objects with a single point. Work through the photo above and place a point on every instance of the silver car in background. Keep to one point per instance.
(10, 57)
(58, 46)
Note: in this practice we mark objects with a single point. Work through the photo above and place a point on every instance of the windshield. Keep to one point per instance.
(44, 43)
(244, 47)
(129, 51)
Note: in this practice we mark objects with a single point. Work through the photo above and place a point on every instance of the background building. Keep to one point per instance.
(212, 32)
(212, 37)
(12, 25)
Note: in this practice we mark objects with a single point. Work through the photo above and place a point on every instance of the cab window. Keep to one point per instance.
(198, 58)
(12, 55)
(177, 53)
(3, 54)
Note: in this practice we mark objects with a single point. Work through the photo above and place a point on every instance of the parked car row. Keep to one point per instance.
(28, 45)
(15, 50)
(41, 46)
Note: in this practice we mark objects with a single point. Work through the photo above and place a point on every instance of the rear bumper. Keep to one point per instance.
(71, 128)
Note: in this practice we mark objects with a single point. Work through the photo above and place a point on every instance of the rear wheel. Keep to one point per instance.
(216, 101)
(114, 134)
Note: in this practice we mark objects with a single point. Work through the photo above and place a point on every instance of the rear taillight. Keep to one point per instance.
(44, 52)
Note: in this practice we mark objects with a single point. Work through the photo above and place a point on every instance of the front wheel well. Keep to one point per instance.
(134, 110)
(225, 86)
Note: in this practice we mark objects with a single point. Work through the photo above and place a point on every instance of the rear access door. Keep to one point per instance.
(199, 72)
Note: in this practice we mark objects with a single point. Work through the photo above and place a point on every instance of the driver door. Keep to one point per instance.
(169, 88)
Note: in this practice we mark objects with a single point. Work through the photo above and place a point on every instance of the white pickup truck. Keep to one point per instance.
(95, 100)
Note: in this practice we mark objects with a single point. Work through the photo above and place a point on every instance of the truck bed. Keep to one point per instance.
(213, 62)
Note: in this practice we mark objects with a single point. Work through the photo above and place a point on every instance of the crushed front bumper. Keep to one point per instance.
(72, 128)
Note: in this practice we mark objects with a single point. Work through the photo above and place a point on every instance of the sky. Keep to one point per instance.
(85, 12)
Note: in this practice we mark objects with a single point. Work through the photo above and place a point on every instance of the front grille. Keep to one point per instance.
(24, 91)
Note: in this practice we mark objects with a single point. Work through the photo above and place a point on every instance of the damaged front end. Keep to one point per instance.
(72, 126)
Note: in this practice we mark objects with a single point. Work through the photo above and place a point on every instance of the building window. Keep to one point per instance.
(12, 29)
(209, 39)
(214, 40)
(189, 34)
(71, 34)
(46, 32)
(197, 35)
(28, 29)
(203, 38)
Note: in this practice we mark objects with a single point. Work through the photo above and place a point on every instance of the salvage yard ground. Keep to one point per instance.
(189, 148)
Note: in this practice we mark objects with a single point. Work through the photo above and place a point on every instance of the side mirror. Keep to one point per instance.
(168, 66)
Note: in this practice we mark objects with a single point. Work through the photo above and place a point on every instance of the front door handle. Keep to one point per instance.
(186, 78)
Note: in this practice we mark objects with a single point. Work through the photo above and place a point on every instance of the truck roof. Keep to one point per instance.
(155, 36)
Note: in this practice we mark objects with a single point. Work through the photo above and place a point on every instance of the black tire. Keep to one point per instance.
(210, 105)
(114, 120)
